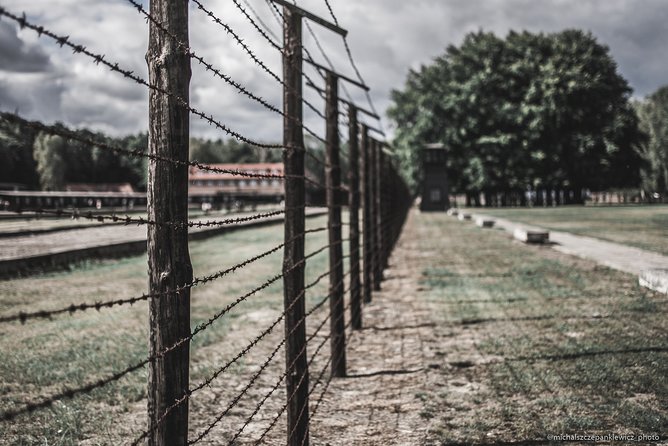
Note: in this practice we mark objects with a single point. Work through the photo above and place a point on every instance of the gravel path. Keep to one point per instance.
(388, 363)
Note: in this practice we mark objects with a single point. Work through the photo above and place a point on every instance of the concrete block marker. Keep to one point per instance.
(484, 222)
(453, 212)
(531, 235)
(655, 279)
(464, 216)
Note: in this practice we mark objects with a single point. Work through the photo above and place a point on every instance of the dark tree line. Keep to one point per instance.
(528, 112)
(46, 162)
(653, 114)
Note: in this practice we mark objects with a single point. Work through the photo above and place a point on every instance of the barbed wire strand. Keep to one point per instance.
(23, 317)
(259, 19)
(257, 27)
(188, 51)
(254, 378)
(285, 373)
(62, 131)
(114, 67)
(69, 393)
(231, 362)
(310, 362)
(322, 372)
(355, 68)
(251, 54)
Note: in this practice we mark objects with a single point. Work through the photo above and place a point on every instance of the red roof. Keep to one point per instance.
(251, 168)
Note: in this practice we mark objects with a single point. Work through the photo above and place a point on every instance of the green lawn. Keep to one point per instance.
(645, 227)
(537, 342)
(40, 357)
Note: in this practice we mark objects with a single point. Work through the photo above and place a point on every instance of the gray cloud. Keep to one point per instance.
(387, 37)
(18, 56)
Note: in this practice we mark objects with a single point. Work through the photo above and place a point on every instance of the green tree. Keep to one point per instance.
(48, 153)
(16, 146)
(653, 115)
(527, 111)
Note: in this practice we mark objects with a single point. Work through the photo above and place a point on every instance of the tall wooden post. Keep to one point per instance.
(333, 182)
(354, 205)
(367, 207)
(377, 218)
(168, 257)
(293, 257)
(387, 218)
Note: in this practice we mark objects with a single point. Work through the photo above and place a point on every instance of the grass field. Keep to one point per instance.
(645, 227)
(526, 342)
(42, 356)
(536, 342)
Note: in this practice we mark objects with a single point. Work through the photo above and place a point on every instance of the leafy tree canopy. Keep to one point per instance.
(653, 115)
(43, 161)
(527, 111)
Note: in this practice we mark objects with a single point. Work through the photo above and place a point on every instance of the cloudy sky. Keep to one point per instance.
(387, 38)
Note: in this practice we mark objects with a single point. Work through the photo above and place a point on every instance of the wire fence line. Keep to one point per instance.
(374, 194)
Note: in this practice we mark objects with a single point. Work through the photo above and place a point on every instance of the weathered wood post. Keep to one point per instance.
(384, 206)
(297, 382)
(378, 218)
(168, 257)
(334, 199)
(293, 259)
(354, 205)
(367, 207)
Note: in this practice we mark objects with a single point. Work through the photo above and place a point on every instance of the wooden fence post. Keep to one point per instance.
(334, 198)
(168, 257)
(377, 217)
(354, 205)
(297, 384)
(387, 196)
(367, 207)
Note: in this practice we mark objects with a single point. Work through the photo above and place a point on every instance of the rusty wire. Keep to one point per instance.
(71, 392)
(66, 133)
(114, 67)
(23, 317)
(266, 363)
(285, 373)
(127, 220)
(322, 372)
(256, 26)
(354, 65)
(189, 52)
(310, 362)
(252, 55)
(236, 358)
(329, 380)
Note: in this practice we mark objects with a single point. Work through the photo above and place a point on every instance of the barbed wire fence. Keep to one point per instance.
(372, 188)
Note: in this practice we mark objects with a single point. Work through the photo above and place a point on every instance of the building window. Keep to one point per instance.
(435, 195)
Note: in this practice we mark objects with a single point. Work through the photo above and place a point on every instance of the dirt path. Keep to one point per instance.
(389, 363)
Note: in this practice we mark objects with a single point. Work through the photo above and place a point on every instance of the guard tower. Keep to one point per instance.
(435, 179)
